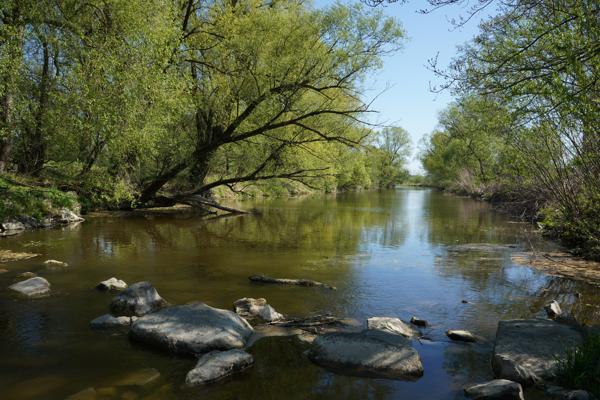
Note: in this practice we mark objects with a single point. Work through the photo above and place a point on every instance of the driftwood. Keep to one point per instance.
(318, 324)
(296, 282)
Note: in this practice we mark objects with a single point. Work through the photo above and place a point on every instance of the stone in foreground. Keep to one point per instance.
(498, 389)
(392, 325)
(217, 365)
(139, 299)
(250, 308)
(192, 329)
(85, 394)
(112, 284)
(559, 393)
(370, 352)
(55, 264)
(107, 321)
(526, 351)
(461, 336)
(36, 286)
(553, 309)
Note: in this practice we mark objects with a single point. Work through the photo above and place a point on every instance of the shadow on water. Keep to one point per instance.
(389, 253)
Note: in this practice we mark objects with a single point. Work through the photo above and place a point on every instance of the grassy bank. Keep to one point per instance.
(19, 198)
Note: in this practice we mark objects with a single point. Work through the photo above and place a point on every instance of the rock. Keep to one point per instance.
(392, 325)
(553, 309)
(217, 365)
(112, 284)
(256, 308)
(142, 377)
(498, 389)
(85, 394)
(26, 275)
(370, 352)
(464, 301)
(461, 335)
(418, 321)
(559, 393)
(54, 264)
(12, 226)
(138, 299)
(107, 321)
(32, 287)
(526, 351)
(192, 328)
(3, 270)
(66, 217)
(129, 395)
(306, 338)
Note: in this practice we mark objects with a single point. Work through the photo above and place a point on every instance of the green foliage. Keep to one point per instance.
(18, 198)
(580, 369)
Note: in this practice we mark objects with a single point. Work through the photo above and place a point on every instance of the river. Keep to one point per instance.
(389, 253)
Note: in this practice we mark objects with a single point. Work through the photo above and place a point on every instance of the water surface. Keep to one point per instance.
(389, 253)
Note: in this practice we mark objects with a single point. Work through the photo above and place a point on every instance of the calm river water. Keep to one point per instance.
(390, 253)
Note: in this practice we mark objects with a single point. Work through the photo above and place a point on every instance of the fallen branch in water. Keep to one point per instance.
(295, 282)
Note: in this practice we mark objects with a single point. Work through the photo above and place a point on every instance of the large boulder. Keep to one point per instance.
(392, 325)
(498, 389)
(36, 286)
(217, 365)
(192, 328)
(526, 351)
(250, 308)
(370, 352)
(139, 299)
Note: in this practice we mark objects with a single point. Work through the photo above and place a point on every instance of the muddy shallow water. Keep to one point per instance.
(391, 253)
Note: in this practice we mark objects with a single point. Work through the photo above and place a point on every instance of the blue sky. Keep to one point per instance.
(408, 102)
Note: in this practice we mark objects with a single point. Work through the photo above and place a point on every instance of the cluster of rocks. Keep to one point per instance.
(58, 218)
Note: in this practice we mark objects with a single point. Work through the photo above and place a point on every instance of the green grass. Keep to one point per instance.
(19, 198)
(581, 368)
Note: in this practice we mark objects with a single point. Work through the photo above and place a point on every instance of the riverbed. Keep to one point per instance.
(398, 253)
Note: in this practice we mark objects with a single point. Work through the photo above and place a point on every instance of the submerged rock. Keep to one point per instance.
(553, 309)
(32, 287)
(256, 308)
(112, 284)
(526, 351)
(559, 393)
(55, 264)
(217, 365)
(140, 378)
(107, 321)
(461, 335)
(392, 325)
(418, 321)
(85, 394)
(498, 389)
(192, 328)
(26, 275)
(139, 299)
(370, 352)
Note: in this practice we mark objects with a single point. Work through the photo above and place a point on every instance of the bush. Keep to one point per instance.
(581, 367)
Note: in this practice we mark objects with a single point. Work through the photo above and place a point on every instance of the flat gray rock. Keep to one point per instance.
(498, 389)
(392, 325)
(107, 321)
(256, 309)
(526, 351)
(192, 328)
(370, 352)
(217, 365)
(138, 299)
(112, 284)
(36, 286)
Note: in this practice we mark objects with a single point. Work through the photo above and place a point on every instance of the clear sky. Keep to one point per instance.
(408, 102)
